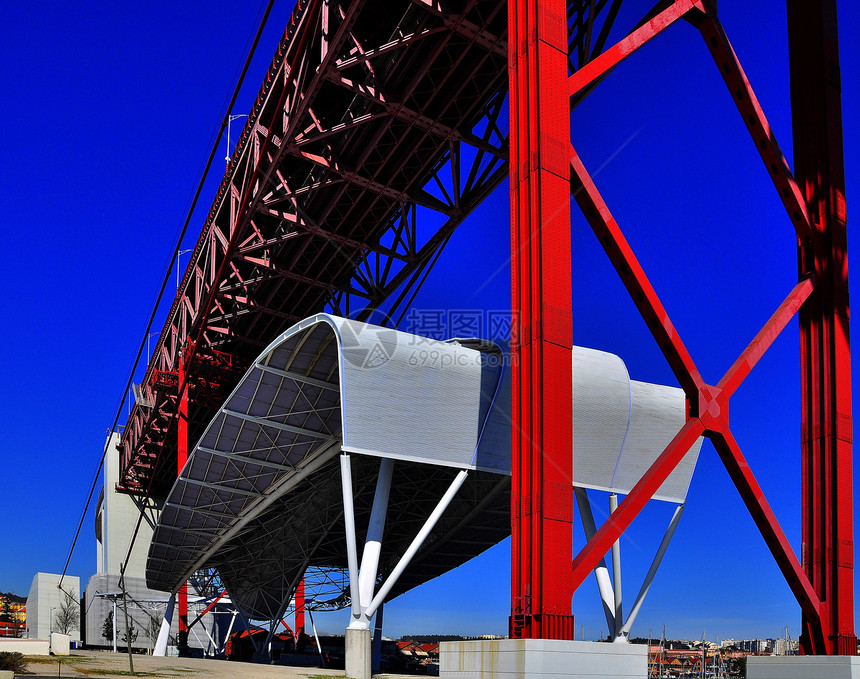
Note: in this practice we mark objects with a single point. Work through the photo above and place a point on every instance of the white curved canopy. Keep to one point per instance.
(620, 426)
(266, 463)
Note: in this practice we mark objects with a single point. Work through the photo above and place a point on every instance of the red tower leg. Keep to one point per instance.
(542, 496)
(828, 534)
(181, 458)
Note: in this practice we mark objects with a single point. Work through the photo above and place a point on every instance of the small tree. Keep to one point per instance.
(132, 632)
(153, 628)
(107, 627)
(68, 615)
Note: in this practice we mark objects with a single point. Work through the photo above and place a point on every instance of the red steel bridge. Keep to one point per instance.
(379, 128)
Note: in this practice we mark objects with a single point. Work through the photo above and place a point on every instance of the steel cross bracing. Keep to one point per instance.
(822, 579)
(378, 130)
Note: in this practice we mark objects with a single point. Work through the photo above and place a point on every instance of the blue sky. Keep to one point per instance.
(107, 116)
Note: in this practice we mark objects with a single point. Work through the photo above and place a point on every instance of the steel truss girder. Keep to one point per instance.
(294, 229)
(823, 583)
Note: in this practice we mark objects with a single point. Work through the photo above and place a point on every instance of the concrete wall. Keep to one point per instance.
(541, 659)
(45, 595)
(116, 517)
(25, 646)
(803, 667)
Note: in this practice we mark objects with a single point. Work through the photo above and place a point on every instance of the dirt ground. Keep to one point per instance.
(110, 665)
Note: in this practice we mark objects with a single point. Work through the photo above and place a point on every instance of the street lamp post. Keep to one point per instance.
(230, 120)
(178, 268)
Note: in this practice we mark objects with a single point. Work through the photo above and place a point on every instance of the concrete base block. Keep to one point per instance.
(541, 658)
(803, 667)
(357, 652)
(60, 643)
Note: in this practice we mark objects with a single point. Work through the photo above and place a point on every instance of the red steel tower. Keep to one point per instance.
(544, 166)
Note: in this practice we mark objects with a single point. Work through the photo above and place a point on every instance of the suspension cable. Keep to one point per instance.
(167, 278)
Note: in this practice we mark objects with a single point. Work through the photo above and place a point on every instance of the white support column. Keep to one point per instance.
(361, 585)
(317, 637)
(601, 572)
(373, 542)
(358, 638)
(655, 564)
(349, 528)
(616, 575)
(413, 548)
(229, 630)
(164, 632)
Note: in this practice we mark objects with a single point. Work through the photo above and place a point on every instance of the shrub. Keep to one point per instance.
(12, 661)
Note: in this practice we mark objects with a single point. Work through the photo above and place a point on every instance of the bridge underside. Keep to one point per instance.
(378, 130)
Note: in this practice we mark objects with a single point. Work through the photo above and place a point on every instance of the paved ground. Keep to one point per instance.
(111, 666)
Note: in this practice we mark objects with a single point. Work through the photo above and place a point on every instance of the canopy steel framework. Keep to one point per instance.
(550, 73)
(378, 131)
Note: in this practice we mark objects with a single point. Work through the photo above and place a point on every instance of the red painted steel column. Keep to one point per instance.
(300, 611)
(181, 458)
(542, 495)
(828, 537)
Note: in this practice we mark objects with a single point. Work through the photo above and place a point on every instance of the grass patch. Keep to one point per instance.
(54, 659)
(122, 673)
(167, 672)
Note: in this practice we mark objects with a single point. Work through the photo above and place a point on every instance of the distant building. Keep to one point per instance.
(45, 600)
(116, 519)
(754, 646)
(13, 616)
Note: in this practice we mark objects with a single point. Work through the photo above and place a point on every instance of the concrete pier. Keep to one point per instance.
(541, 659)
(357, 648)
(803, 667)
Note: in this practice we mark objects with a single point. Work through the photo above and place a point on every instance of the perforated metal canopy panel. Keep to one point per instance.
(620, 426)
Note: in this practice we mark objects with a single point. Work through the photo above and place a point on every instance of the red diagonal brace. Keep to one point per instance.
(642, 492)
(756, 122)
(633, 276)
(765, 337)
(599, 67)
(758, 507)
(207, 609)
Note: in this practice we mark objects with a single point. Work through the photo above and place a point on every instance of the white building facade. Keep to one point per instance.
(45, 600)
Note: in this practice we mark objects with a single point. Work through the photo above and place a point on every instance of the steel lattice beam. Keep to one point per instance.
(323, 202)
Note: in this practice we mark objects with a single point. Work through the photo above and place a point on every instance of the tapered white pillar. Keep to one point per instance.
(616, 576)
(164, 632)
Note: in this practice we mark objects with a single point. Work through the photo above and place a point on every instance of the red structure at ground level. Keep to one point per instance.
(822, 580)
